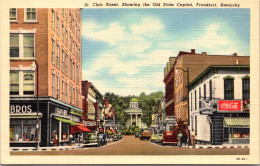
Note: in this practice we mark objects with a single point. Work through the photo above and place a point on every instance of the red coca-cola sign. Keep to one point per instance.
(229, 105)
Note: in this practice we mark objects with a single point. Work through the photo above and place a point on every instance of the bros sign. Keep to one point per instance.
(229, 105)
(20, 109)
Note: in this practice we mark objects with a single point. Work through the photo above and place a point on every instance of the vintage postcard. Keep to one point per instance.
(130, 82)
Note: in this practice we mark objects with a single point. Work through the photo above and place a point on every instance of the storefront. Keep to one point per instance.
(54, 121)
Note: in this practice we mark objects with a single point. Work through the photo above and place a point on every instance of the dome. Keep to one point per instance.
(134, 99)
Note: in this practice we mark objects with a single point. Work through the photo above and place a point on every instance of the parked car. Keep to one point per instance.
(169, 137)
(145, 135)
(115, 137)
(137, 134)
(159, 138)
(92, 139)
(153, 137)
(102, 138)
(119, 135)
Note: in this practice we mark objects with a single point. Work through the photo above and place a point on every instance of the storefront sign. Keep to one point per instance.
(20, 109)
(90, 123)
(170, 120)
(62, 112)
(229, 105)
(74, 118)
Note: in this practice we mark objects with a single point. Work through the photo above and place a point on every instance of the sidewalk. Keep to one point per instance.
(218, 146)
(51, 148)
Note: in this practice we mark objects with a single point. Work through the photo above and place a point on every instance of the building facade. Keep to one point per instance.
(220, 105)
(186, 67)
(45, 74)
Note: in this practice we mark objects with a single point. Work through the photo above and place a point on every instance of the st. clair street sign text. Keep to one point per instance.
(229, 106)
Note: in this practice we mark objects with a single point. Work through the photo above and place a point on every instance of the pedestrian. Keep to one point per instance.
(70, 139)
(192, 137)
(55, 138)
(184, 138)
(179, 138)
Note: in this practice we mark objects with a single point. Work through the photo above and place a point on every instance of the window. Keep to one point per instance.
(30, 13)
(228, 89)
(63, 33)
(66, 36)
(12, 13)
(191, 102)
(58, 56)
(62, 61)
(199, 97)
(73, 71)
(195, 125)
(25, 83)
(58, 26)
(14, 83)
(195, 100)
(27, 45)
(53, 51)
(58, 87)
(28, 83)
(66, 64)
(246, 89)
(70, 69)
(53, 20)
(63, 90)
(14, 45)
(73, 96)
(205, 94)
(210, 90)
(77, 74)
(53, 84)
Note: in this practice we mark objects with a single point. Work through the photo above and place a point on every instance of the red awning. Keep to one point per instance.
(78, 129)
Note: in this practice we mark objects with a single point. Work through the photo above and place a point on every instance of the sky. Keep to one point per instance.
(124, 51)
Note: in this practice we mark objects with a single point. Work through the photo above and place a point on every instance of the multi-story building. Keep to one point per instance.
(186, 67)
(45, 74)
(92, 105)
(220, 104)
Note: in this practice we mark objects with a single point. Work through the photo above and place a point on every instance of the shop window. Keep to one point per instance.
(30, 13)
(12, 13)
(28, 83)
(65, 131)
(54, 128)
(229, 89)
(246, 89)
(14, 83)
(23, 130)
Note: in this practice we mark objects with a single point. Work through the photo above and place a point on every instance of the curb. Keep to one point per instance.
(216, 147)
(22, 149)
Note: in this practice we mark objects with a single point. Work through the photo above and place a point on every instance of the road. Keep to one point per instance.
(133, 146)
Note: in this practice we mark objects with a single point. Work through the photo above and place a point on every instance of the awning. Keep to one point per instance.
(66, 121)
(240, 122)
(78, 129)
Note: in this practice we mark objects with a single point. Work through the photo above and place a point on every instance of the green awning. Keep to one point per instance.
(241, 122)
(76, 113)
(66, 121)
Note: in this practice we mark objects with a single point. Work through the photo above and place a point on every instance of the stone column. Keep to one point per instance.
(136, 119)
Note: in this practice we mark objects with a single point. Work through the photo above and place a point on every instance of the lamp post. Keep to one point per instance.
(188, 97)
(37, 99)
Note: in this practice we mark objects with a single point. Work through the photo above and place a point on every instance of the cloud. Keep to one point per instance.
(147, 26)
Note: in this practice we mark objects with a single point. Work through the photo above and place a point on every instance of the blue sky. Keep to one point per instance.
(125, 50)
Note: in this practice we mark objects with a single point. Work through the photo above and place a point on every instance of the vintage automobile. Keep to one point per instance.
(92, 139)
(159, 138)
(137, 134)
(153, 137)
(169, 137)
(145, 135)
(115, 137)
(102, 138)
(119, 135)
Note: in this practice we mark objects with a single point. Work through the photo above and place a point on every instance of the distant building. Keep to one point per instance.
(135, 115)
(220, 105)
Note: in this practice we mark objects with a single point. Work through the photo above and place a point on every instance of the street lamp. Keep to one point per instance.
(187, 71)
(36, 67)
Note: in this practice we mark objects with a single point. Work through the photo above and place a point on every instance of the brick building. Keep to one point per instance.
(45, 68)
(193, 64)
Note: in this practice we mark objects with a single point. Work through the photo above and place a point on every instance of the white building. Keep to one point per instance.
(219, 105)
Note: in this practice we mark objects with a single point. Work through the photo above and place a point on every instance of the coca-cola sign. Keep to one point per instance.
(229, 105)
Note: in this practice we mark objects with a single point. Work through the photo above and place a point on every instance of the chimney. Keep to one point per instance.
(193, 51)
(204, 53)
(235, 54)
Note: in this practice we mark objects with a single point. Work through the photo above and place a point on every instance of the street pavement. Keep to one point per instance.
(130, 145)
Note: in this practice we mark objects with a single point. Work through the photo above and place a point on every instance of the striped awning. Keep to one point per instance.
(241, 122)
